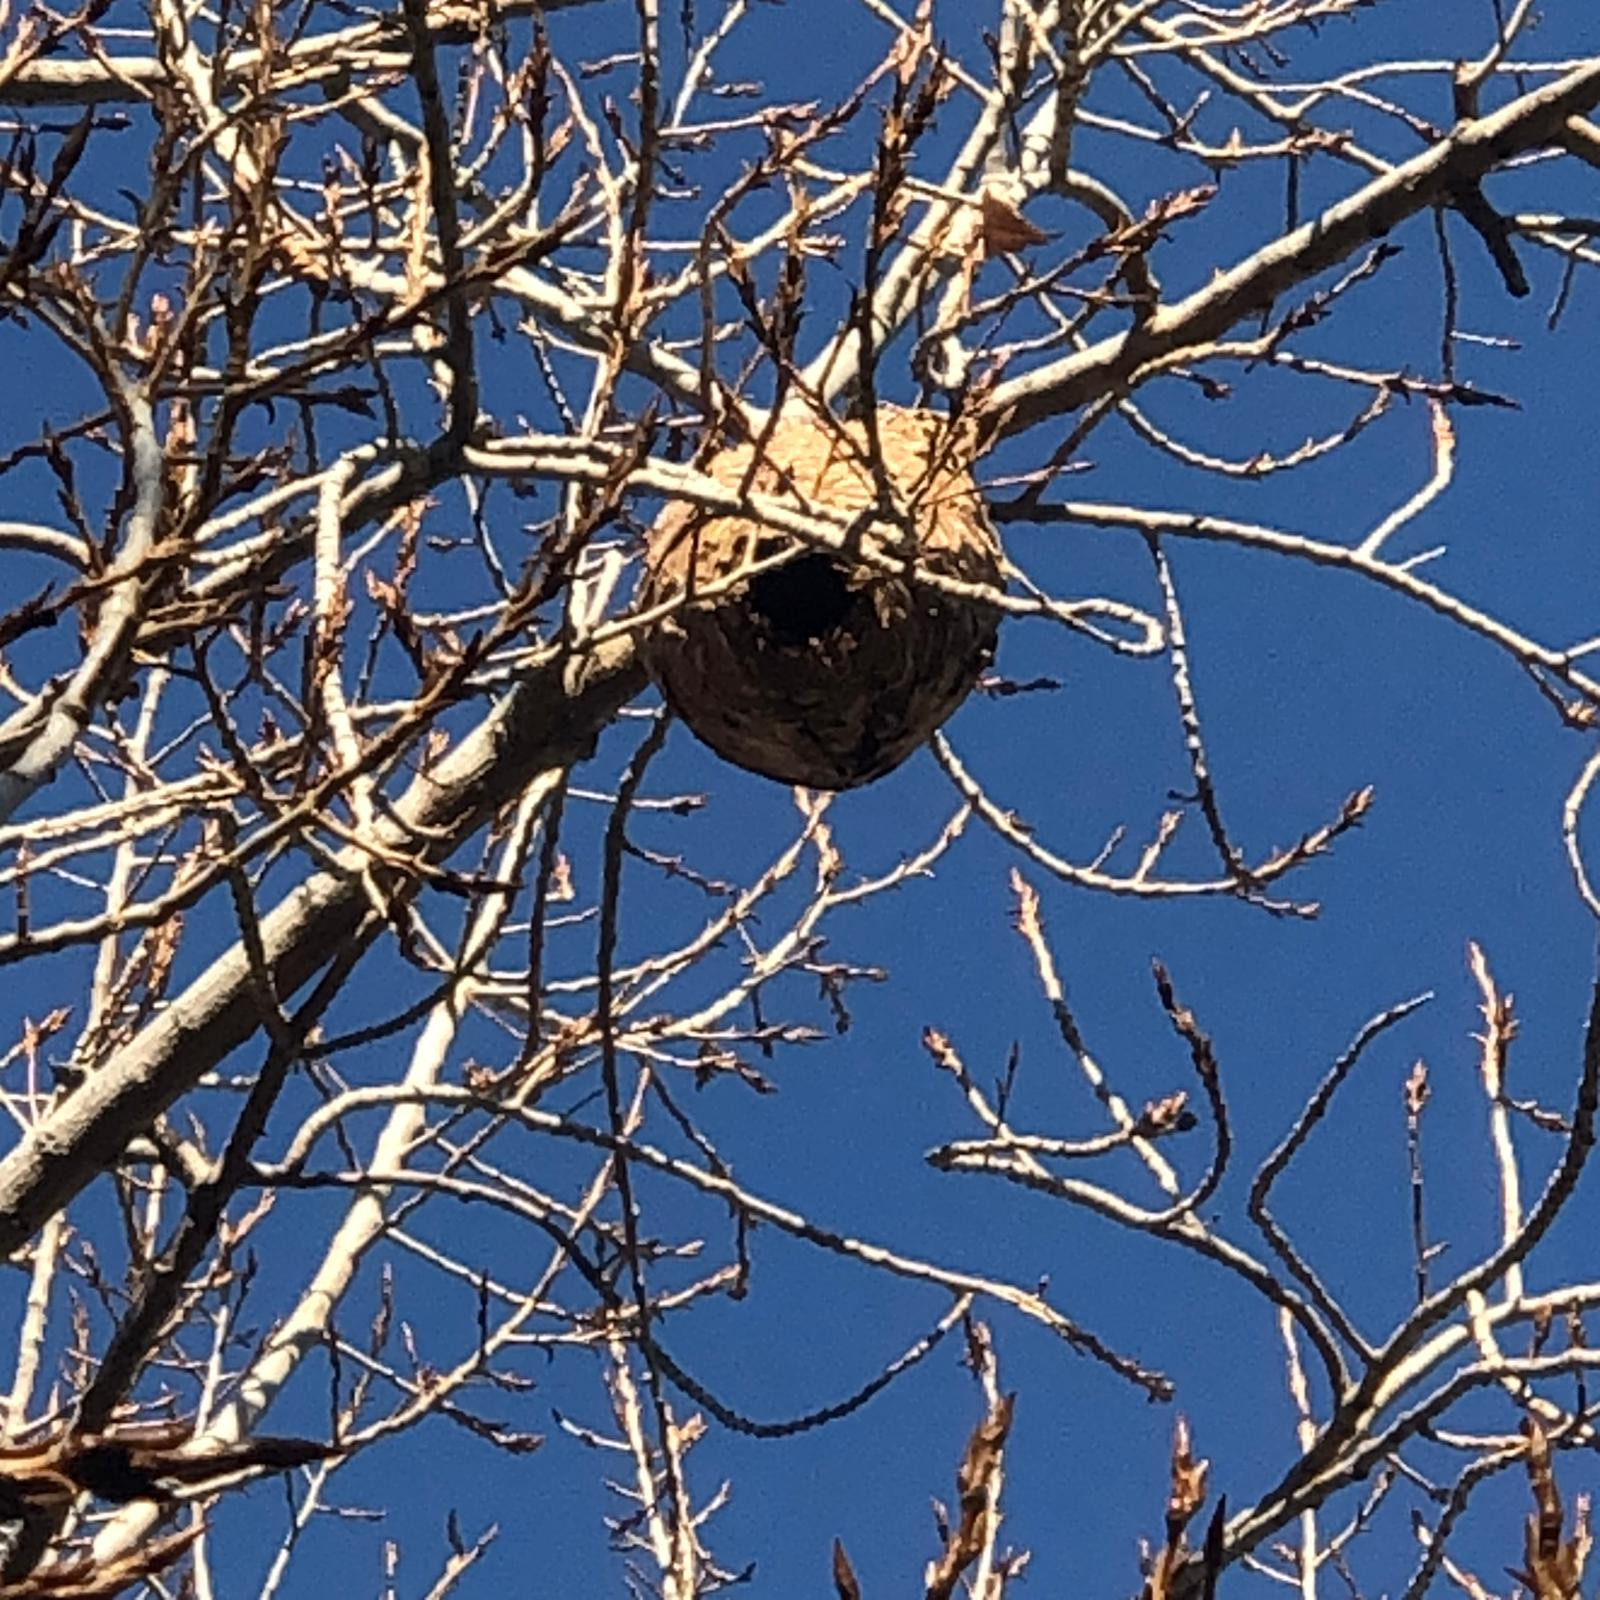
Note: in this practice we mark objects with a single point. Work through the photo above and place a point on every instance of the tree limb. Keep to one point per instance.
(549, 721)
(1467, 155)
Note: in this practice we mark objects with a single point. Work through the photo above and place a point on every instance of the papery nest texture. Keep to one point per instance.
(828, 666)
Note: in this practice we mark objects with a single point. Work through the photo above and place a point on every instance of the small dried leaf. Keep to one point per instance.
(1005, 228)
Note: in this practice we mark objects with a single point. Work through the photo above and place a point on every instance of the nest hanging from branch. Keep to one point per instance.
(827, 667)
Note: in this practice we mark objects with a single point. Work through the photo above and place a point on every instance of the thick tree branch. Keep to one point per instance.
(1471, 151)
(547, 722)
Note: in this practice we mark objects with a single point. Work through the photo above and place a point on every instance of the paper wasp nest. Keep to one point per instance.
(827, 669)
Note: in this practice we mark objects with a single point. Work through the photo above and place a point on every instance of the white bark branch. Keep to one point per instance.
(547, 722)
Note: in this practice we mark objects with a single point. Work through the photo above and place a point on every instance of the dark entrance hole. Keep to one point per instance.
(802, 600)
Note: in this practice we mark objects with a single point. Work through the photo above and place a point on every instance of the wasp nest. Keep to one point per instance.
(827, 667)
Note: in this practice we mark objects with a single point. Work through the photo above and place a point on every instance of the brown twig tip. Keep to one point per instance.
(1188, 1028)
(1358, 805)
(1026, 910)
(845, 1585)
(1166, 993)
(1552, 1562)
(1500, 1021)
(1417, 1091)
(1169, 1114)
(978, 1482)
(1189, 1475)
(1186, 1493)
(982, 1460)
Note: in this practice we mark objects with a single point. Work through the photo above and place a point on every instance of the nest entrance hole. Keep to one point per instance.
(802, 601)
